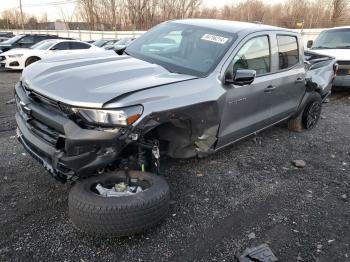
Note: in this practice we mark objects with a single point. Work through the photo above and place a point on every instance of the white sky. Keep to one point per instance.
(53, 7)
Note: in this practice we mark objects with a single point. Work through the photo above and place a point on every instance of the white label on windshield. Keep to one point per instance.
(215, 38)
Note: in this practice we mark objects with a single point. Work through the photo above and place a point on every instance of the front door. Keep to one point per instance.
(246, 108)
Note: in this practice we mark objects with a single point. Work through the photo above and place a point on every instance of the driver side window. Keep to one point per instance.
(255, 55)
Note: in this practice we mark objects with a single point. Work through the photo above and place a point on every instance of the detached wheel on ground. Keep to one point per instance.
(31, 60)
(117, 204)
(309, 116)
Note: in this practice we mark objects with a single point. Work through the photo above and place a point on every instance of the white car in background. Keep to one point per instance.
(19, 58)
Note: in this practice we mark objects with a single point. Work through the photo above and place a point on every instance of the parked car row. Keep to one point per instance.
(22, 50)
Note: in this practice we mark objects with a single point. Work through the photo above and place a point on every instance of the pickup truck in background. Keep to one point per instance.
(335, 42)
(186, 88)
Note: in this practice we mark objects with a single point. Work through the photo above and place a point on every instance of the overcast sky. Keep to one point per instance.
(52, 7)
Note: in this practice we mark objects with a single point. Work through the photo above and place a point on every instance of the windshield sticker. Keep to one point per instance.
(215, 38)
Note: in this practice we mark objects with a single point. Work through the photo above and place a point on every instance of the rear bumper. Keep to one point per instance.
(76, 152)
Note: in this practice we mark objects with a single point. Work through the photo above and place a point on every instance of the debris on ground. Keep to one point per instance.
(199, 174)
(11, 101)
(331, 241)
(299, 163)
(344, 197)
(251, 235)
(260, 253)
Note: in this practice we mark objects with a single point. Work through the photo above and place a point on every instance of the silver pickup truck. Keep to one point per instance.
(184, 89)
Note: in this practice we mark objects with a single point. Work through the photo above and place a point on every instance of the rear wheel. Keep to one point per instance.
(103, 205)
(309, 116)
(31, 60)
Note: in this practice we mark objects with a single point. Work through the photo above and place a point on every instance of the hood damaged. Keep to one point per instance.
(100, 79)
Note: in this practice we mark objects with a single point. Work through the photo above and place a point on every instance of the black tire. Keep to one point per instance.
(309, 116)
(31, 60)
(118, 216)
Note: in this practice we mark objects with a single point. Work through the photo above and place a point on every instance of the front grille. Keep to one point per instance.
(37, 127)
(2, 58)
(48, 134)
(44, 101)
(342, 72)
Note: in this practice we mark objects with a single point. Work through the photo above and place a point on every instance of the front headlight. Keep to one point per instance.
(15, 55)
(110, 117)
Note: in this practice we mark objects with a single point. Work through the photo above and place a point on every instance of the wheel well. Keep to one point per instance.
(30, 58)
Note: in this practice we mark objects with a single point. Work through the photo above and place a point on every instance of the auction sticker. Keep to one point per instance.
(214, 38)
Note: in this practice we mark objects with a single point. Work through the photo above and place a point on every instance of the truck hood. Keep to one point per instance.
(91, 80)
(339, 54)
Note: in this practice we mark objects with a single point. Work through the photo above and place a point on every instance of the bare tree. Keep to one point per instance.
(339, 11)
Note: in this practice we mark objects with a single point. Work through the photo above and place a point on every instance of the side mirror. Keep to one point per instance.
(309, 43)
(242, 77)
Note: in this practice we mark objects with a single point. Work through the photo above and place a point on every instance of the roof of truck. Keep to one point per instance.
(231, 26)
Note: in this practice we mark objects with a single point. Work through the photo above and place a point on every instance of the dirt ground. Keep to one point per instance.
(243, 196)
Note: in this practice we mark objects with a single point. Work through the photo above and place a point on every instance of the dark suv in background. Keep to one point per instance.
(24, 41)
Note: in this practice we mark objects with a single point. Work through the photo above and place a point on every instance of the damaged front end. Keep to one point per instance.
(72, 142)
(67, 148)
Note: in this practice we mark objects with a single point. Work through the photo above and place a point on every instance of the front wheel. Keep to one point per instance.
(309, 116)
(119, 204)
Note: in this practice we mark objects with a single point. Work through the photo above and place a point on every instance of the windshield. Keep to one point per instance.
(43, 45)
(182, 48)
(100, 42)
(333, 39)
(123, 41)
(12, 40)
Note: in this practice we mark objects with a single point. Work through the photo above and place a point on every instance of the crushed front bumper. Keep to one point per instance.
(64, 148)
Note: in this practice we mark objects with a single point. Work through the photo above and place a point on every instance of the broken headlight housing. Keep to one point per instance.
(109, 117)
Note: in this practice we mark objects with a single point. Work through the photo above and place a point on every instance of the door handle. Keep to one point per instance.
(299, 80)
(269, 89)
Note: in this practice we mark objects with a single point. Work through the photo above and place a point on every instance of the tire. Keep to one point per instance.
(309, 116)
(31, 60)
(118, 216)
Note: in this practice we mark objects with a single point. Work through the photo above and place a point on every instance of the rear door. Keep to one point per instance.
(288, 83)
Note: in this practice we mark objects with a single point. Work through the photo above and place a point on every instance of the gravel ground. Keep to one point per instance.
(244, 195)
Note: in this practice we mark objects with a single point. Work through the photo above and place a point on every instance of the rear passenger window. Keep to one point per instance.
(61, 46)
(288, 52)
(255, 55)
(78, 45)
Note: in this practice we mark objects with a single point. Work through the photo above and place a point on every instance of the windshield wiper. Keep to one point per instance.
(322, 47)
(342, 47)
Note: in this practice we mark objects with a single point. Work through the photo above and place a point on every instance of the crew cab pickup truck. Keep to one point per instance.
(184, 89)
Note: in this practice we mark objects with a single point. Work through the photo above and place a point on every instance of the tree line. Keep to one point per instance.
(143, 14)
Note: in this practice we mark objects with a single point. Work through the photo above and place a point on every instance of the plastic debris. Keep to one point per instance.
(251, 235)
(118, 190)
(260, 253)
